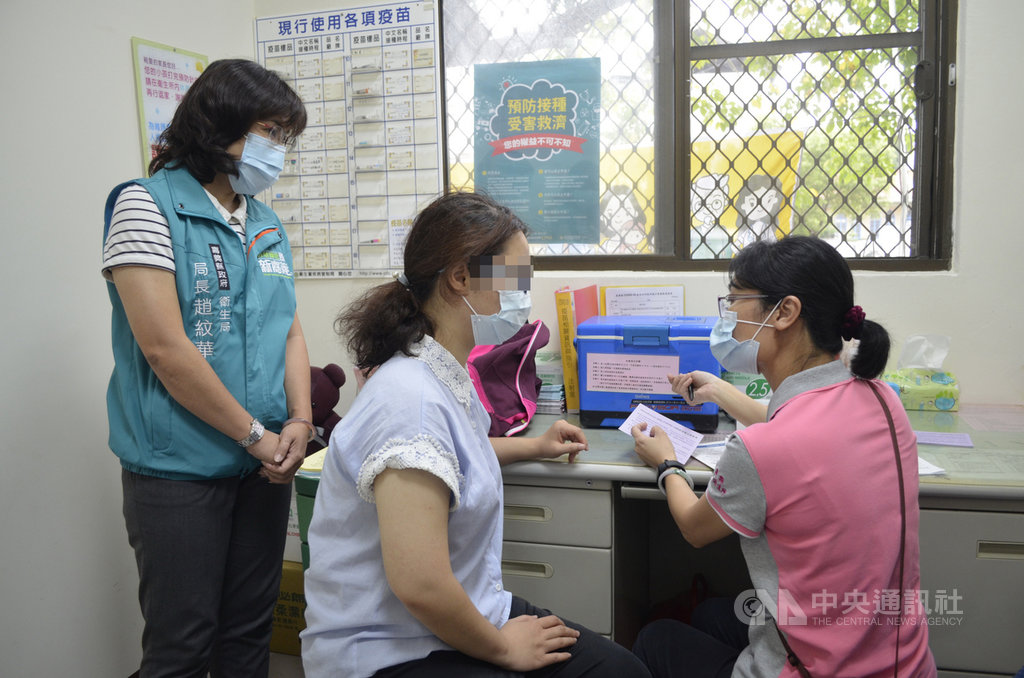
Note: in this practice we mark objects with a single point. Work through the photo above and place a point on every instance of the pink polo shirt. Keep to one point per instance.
(815, 492)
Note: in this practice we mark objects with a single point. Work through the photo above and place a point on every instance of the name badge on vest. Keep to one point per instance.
(218, 265)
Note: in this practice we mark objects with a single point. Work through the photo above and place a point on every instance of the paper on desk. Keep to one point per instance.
(710, 450)
(926, 468)
(948, 439)
(684, 440)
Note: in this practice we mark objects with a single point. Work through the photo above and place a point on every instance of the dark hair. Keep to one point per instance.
(220, 108)
(811, 270)
(449, 231)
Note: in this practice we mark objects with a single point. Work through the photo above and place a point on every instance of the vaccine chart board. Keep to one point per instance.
(370, 157)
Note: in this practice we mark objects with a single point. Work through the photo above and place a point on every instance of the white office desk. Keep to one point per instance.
(579, 540)
(992, 469)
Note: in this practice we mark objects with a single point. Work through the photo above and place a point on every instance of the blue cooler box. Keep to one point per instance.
(623, 361)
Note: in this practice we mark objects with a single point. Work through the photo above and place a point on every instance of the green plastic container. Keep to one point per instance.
(305, 494)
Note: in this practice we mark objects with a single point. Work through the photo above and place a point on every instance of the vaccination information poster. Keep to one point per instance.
(370, 156)
(162, 74)
(537, 144)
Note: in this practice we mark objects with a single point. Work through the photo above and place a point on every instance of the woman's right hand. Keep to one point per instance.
(708, 388)
(535, 642)
(705, 387)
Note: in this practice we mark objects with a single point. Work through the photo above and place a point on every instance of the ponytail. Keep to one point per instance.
(872, 352)
(387, 319)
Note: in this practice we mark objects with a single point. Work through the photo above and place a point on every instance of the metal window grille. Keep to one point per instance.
(805, 116)
(621, 33)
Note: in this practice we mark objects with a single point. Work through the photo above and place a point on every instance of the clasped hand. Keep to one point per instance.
(281, 454)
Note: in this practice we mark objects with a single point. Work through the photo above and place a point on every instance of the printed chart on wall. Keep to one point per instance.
(370, 156)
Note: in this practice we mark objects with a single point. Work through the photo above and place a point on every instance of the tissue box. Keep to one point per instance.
(923, 389)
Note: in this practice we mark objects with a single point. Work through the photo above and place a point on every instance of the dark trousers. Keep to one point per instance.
(707, 649)
(593, 656)
(209, 557)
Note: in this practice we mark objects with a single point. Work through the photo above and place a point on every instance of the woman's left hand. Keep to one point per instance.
(654, 448)
(561, 438)
(291, 449)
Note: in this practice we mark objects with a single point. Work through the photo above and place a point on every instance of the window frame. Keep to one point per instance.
(933, 162)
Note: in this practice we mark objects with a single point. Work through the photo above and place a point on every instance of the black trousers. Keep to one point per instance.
(707, 649)
(209, 558)
(593, 656)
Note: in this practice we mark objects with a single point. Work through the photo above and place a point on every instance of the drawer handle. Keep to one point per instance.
(646, 492)
(524, 568)
(540, 514)
(1001, 549)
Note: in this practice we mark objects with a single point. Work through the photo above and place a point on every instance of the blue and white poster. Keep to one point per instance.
(537, 144)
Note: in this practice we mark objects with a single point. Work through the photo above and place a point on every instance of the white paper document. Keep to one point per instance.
(709, 453)
(684, 440)
(926, 468)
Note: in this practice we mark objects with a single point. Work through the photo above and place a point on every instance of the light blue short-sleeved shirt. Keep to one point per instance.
(415, 412)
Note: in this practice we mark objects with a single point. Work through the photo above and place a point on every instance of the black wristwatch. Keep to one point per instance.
(667, 468)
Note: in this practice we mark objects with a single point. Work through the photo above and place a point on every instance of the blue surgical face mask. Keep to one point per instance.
(261, 163)
(737, 356)
(500, 327)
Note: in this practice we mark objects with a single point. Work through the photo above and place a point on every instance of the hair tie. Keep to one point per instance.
(853, 322)
(400, 277)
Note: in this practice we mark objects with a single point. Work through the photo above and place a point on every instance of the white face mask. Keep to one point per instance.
(737, 356)
(500, 327)
(261, 163)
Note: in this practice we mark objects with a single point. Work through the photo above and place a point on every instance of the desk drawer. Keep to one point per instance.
(552, 515)
(980, 555)
(573, 582)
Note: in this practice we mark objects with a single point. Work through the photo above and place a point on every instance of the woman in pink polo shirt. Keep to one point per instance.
(822, 486)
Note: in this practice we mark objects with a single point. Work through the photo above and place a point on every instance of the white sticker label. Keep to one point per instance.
(630, 373)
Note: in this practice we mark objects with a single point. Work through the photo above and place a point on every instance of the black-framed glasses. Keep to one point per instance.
(277, 133)
(725, 302)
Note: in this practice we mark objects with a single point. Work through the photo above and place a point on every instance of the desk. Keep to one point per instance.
(580, 539)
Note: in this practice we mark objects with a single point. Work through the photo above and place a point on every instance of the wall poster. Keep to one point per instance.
(537, 144)
(371, 155)
(162, 74)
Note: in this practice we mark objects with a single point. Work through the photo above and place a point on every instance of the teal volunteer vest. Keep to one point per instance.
(237, 302)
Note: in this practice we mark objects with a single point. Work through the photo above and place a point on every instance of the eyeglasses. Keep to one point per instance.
(724, 303)
(278, 134)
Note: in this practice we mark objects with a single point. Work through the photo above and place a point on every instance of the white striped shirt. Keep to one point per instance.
(139, 234)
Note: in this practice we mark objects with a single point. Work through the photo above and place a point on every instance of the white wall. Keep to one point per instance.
(67, 574)
(67, 578)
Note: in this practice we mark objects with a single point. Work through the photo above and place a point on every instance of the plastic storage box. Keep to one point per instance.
(624, 360)
(305, 495)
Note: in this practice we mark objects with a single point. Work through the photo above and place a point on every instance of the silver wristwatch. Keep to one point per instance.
(255, 434)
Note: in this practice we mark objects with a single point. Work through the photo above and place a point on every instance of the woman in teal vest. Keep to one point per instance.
(209, 400)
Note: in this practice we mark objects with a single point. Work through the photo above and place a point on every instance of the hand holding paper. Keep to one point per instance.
(684, 441)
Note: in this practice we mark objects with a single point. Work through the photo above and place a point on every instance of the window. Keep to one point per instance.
(828, 118)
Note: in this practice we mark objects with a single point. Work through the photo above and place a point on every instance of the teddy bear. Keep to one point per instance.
(325, 384)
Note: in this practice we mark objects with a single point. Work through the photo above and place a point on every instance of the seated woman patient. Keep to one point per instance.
(406, 536)
(823, 490)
